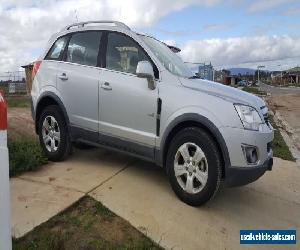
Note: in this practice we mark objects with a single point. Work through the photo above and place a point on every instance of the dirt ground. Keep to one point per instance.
(20, 124)
(288, 107)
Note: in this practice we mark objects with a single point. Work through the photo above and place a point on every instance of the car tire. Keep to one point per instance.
(194, 166)
(53, 134)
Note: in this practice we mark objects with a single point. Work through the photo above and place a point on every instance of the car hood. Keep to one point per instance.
(231, 94)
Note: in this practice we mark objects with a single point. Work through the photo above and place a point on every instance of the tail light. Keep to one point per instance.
(36, 66)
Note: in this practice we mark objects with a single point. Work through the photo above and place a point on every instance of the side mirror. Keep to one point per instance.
(144, 69)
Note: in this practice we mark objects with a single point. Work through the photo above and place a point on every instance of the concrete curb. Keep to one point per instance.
(288, 135)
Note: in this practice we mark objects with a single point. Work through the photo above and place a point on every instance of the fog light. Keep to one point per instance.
(250, 153)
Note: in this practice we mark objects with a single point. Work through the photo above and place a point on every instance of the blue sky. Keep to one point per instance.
(226, 20)
(231, 21)
(240, 33)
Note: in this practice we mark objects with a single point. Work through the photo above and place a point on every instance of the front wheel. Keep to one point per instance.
(53, 134)
(194, 166)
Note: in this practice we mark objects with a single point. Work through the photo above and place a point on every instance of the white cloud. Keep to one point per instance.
(26, 25)
(263, 5)
(217, 27)
(170, 42)
(240, 50)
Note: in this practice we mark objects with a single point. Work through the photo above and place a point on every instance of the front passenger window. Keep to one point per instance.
(123, 54)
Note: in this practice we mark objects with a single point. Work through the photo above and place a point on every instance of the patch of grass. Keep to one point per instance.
(24, 156)
(104, 211)
(18, 102)
(95, 231)
(253, 90)
(280, 149)
(75, 221)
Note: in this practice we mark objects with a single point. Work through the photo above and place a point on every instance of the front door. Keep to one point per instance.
(127, 106)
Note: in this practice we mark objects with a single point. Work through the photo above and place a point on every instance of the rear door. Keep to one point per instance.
(78, 78)
(48, 69)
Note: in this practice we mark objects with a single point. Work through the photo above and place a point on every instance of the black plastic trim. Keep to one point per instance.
(159, 103)
(194, 117)
(238, 176)
(48, 94)
(65, 52)
(112, 142)
(102, 50)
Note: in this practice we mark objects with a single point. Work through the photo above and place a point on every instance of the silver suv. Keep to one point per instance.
(102, 84)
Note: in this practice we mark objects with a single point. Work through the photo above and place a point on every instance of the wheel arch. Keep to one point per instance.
(193, 120)
(46, 99)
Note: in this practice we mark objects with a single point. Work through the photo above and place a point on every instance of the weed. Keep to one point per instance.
(253, 90)
(280, 149)
(104, 211)
(25, 156)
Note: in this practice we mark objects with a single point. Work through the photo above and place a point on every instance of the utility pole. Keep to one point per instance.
(76, 16)
(259, 67)
(280, 73)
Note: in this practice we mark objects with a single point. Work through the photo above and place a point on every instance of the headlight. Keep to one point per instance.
(249, 116)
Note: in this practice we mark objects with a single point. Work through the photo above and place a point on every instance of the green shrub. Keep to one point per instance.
(253, 90)
(18, 102)
(280, 149)
(24, 156)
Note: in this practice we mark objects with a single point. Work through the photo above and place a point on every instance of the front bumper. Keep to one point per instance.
(238, 176)
(239, 172)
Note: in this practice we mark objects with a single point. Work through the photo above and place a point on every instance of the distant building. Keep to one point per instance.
(206, 71)
(290, 77)
(293, 75)
(220, 75)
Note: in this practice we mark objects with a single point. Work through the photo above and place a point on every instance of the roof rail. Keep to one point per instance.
(82, 24)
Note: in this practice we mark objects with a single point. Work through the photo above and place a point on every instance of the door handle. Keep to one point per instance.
(63, 77)
(106, 86)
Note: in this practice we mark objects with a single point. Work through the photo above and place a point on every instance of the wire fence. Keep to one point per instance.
(13, 82)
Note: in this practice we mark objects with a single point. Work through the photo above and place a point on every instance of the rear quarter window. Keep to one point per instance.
(56, 51)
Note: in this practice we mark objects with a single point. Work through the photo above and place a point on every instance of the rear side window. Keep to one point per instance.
(57, 49)
(83, 48)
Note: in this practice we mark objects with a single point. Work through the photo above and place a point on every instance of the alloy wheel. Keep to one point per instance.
(51, 134)
(191, 168)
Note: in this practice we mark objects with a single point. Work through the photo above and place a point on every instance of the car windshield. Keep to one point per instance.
(168, 58)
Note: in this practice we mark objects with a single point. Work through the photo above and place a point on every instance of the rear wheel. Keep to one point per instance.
(53, 134)
(194, 166)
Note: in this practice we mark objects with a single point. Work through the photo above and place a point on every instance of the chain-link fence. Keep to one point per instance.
(13, 83)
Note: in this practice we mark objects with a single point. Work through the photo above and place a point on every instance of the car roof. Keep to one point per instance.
(96, 25)
(109, 23)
